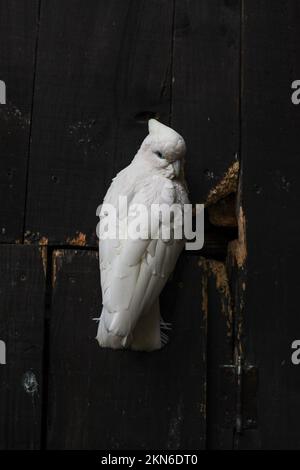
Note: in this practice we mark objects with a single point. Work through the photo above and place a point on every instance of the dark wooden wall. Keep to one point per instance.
(82, 81)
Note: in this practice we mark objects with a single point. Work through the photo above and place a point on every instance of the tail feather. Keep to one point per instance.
(107, 339)
(149, 333)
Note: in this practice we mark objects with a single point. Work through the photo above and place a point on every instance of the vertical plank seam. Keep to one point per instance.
(236, 321)
(46, 348)
(31, 116)
(240, 117)
(172, 50)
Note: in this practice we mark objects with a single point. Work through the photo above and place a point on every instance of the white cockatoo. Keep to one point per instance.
(134, 271)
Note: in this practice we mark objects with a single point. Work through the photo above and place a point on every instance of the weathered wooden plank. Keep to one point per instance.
(205, 92)
(102, 71)
(220, 379)
(271, 200)
(205, 109)
(105, 399)
(18, 36)
(22, 288)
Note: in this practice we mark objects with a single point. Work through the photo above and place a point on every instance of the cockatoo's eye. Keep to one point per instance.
(159, 154)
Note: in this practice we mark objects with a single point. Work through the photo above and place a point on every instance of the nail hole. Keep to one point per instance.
(209, 174)
(257, 189)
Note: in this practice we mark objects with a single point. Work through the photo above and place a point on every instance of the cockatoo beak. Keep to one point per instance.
(176, 167)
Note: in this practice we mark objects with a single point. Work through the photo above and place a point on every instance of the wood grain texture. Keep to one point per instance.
(18, 35)
(104, 399)
(102, 71)
(271, 195)
(205, 92)
(220, 386)
(21, 327)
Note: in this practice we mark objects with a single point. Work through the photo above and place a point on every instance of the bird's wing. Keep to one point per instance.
(133, 272)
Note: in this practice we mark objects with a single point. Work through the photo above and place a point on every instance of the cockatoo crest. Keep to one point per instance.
(165, 134)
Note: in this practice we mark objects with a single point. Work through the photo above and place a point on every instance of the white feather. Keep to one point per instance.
(134, 272)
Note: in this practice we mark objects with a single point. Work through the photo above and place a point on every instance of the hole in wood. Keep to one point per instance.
(55, 179)
(221, 222)
(144, 116)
